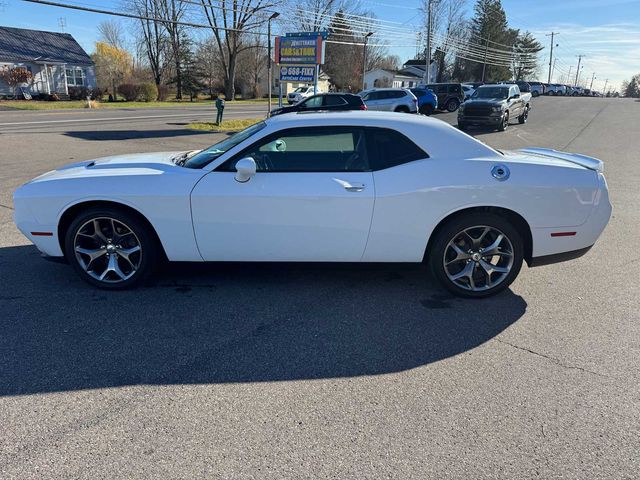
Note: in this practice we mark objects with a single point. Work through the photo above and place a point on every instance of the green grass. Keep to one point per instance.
(227, 125)
(62, 105)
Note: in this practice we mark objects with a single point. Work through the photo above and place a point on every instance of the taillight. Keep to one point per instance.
(363, 107)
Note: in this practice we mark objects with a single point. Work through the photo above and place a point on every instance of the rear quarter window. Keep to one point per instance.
(389, 148)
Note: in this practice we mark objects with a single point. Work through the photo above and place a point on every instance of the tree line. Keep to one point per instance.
(208, 45)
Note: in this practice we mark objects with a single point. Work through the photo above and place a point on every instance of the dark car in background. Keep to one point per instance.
(450, 95)
(324, 101)
(427, 100)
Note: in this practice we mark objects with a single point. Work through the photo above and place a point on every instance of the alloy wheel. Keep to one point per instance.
(478, 258)
(107, 250)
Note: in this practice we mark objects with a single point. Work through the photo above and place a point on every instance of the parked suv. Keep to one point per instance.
(301, 93)
(537, 88)
(324, 101)
(450, 95)
(390, 100)
(427, 100)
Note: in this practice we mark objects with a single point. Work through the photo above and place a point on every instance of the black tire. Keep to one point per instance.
(462, 126)
(146, 259)
(426, 109)
(505, 122)
(451, 230)
(534, 93)
(402, 109)
(522, 119)
(452, 105)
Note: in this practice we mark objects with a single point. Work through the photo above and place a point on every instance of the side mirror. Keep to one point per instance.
(245, 169)
(517, 95)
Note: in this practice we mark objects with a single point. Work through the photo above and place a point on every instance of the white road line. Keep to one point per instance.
(110, 119)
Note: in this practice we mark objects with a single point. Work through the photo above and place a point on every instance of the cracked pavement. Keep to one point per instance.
(321, 371)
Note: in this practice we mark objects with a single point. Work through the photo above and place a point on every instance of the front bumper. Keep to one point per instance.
(492, 120)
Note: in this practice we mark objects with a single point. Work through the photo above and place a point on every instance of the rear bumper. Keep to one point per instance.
(558, 257)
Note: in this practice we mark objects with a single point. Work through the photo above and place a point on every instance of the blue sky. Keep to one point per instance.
(606, 32)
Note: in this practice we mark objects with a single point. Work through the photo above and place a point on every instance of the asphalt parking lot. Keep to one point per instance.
(320, 371)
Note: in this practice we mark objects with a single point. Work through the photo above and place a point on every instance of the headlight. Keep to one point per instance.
(497, 109)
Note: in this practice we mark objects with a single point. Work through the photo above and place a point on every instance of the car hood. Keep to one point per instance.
(484, 101)
(130, 164)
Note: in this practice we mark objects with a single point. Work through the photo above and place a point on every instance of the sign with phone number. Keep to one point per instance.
(297, 74)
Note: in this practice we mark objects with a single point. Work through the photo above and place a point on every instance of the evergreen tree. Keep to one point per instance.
(190, 73)
(525, 56)
(489, 28)
(343, 62)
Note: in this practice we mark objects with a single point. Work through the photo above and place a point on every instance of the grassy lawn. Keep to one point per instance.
(60, 105)
(227, 125)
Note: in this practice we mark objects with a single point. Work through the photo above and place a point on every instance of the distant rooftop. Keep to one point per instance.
(23, 45)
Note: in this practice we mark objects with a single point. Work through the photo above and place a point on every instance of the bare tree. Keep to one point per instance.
(209, 65)
(152, 36)
(173, 12)
(314, 15)
(230, 21)
(111, 33)
(252, 64)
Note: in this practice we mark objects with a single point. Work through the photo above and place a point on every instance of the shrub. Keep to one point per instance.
(163, 92)
(148, 91)
(129, 91)
(81, 93)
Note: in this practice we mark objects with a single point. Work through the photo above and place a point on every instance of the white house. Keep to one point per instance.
(56, 61)
(410, 75)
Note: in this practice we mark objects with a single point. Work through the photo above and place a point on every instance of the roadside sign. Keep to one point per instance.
(298, 73)
(300, 50)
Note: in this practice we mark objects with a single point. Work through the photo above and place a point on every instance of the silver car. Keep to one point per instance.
(390, 100)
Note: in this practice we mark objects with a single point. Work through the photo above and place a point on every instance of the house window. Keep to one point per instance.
(76, 77)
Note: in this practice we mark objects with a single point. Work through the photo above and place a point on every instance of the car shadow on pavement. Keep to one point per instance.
(225, 323)
(134, 134)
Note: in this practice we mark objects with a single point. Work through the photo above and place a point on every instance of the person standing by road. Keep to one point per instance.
(220, 108)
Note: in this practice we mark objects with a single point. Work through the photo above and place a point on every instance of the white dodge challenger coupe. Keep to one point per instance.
(354, 186)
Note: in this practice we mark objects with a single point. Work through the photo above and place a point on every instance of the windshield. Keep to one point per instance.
(300, 90)
(205, 157)
(491, 92)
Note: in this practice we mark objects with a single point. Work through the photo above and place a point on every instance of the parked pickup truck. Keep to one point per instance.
(494, 106)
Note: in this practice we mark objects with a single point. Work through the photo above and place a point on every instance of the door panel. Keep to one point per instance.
(297, 216)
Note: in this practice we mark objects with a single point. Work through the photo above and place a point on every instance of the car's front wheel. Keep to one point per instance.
(110, 248)
(476, 255)
(504, 123)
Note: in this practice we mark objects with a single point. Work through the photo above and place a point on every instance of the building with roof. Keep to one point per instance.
(56, 61)
(410, 75)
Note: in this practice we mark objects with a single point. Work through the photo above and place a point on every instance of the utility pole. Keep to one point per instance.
(269, 61)
(593, 77)
(605, 86)
(552, 34)
(427, 55)
(569, 74)
(484, 62)
(578, 70)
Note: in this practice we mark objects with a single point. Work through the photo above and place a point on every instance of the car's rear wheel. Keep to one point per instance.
(525, 115)
(452, 105)
(111, 248)
(504, 123)
(462, 125)
(534, 93)
(402, 109)
(426, 109)
(476, 255)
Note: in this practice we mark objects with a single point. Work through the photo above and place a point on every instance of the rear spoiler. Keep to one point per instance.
(582, 160)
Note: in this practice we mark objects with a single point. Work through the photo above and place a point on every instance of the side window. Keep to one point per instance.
(313, 102)
(397, 94)
(454, 89)
(389, 148)
(372, 96)
(330, 149)
(332, 100)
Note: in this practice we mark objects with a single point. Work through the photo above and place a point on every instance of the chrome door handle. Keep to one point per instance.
(350, 187)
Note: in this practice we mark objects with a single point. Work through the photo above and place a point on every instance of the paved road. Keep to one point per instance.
(322, 371)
